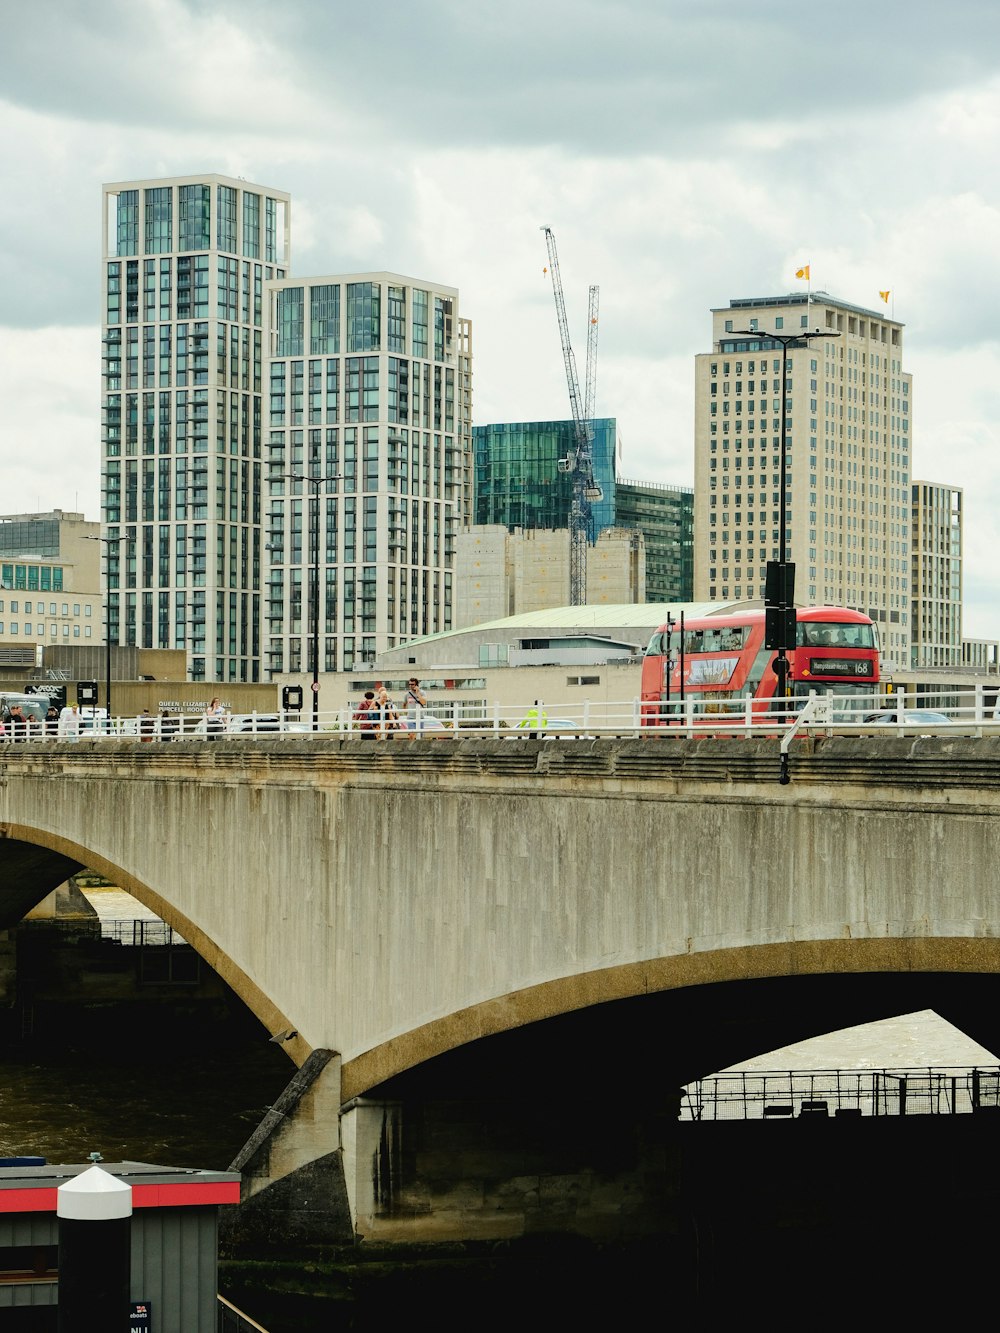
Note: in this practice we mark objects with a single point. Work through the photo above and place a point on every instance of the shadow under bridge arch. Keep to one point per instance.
(28, 873)
(34, 862)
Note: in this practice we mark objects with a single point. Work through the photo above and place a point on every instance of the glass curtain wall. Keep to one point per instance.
(517, 477)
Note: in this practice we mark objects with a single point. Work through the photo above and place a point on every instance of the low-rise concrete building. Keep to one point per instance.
(500, 573)
(50, 583)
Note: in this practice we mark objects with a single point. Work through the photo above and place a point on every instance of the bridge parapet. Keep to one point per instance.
(905, 760)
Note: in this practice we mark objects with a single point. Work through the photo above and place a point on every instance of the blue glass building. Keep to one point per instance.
(517, 477)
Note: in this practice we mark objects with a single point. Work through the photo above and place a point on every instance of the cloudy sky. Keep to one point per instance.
(683, 153)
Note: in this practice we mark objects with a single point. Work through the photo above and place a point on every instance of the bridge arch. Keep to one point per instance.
(866, 980)
(35, 861)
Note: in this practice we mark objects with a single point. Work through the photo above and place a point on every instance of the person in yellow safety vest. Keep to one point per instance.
(533, 719)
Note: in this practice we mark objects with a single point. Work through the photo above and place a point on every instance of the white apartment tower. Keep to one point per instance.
(369, 452)
(185, 261)
(936, 612)
(848, 433)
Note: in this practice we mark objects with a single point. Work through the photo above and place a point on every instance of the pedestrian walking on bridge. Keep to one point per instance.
(416, 702)
(534, 719)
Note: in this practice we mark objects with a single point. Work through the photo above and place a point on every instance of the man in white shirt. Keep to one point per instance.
(415, 705)
(69, 723)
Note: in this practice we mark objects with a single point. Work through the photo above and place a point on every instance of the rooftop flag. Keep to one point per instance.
(803, 272)
(885, 297)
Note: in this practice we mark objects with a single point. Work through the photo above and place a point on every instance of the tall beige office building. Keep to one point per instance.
(848, 431)
(936, 611)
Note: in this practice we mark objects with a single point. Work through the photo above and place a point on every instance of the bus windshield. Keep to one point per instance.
(835, 634)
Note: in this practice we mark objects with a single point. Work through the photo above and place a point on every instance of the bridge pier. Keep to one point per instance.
(293, 1187)
(371, 1132)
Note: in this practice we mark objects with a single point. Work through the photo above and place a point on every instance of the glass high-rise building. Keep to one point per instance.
(665, 517)
(369, 386)
(184, 265)
(517, 478)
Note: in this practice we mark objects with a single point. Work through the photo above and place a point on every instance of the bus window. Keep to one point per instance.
(834, 634)
(724, 639)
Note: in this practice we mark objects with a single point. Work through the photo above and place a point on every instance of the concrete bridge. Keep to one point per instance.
(539, 940)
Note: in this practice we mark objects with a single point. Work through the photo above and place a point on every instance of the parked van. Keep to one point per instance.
(32, 705)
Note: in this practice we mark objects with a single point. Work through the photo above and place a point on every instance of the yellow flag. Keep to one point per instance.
(885, 297)
(803, 272)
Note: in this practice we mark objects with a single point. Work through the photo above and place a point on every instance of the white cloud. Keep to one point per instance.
(435, 139)
(957, 442)
(50, 419)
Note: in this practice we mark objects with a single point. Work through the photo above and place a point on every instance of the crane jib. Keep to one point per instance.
(578, 464)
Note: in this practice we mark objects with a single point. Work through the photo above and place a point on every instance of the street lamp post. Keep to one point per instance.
(780, 626)
(668, 668)
(315, 483)
(107, 541)
(779, 587)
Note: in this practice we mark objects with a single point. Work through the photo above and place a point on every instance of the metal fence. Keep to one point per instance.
(164, 957)
(793, 1094)
(140, 933)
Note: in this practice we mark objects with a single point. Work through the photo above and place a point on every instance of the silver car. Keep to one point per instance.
(912, 717)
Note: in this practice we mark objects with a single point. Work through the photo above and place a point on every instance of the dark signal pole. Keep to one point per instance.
(780, 622)
(670, 659)
(107, 542)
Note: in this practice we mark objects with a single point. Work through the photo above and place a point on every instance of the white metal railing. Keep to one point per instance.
(696, 716)
(233, 1320)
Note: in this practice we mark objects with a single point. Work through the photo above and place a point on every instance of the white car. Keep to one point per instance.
(912, 717)
(264, 724)
(560, 729)
(243, 724)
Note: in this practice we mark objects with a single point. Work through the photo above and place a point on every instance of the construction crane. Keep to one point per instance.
(591, 380)
(579, 462)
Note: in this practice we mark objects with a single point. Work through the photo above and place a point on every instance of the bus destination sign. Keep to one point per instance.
(841, 666)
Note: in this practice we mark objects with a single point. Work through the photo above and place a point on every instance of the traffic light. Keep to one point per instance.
(291, 698)
(779, 584)
(780, 626)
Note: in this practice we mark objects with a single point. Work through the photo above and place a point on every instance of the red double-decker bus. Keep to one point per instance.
(724, 661)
